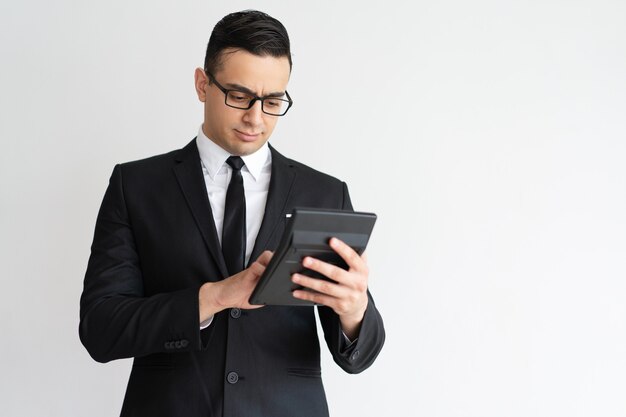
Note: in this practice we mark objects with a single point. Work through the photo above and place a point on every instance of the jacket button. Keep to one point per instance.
(168, 345)
(184, 343)
(232, 377)
(355, 355)
(235, 313)
(177, 344)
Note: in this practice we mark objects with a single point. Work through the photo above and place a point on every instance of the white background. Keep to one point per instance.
(489, 137)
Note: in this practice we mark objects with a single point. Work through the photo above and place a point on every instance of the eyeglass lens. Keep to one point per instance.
(270, 105)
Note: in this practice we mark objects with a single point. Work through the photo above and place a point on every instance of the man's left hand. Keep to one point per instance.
(346, 295)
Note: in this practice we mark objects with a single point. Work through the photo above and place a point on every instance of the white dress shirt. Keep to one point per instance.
(256, 182)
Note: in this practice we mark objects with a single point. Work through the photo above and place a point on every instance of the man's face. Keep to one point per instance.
(241, 132)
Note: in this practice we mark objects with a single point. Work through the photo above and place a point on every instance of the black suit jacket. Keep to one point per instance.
(154, 245)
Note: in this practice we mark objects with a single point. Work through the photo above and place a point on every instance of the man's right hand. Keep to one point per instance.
(233, 291)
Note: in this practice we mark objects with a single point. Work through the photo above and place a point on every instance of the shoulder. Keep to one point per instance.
(304, 172)
(159, 164)
(310, 187)
(154, 171)
(164, 159)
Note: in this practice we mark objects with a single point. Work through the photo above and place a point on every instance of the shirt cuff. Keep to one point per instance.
(206, 323)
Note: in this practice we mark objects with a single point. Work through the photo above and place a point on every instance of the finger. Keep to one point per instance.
(314, 297)
(265, 257)
(320, 285)
(328, 270)
(348, 254)
(258, 266)
(256, 269)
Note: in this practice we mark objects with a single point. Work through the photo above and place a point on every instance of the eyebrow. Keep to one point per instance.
(252, 93)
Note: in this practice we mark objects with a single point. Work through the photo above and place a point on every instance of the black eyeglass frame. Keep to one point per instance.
(254, 99)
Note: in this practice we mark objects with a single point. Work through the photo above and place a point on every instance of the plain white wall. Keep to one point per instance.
(489, 137)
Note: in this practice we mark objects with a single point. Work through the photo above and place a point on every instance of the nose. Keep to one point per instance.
(254, 115)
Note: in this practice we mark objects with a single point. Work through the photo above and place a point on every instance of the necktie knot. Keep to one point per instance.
(235, 162)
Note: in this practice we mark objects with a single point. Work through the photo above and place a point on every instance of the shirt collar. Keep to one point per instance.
(214, 156)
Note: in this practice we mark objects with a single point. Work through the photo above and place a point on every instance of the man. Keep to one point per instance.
(166, 282)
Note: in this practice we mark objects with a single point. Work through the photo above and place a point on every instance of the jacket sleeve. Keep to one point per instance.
(359, 355)
(116, 319)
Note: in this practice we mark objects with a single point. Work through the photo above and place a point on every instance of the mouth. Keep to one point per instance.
(247, 136)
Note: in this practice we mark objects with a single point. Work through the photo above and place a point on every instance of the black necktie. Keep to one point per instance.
(234, 228)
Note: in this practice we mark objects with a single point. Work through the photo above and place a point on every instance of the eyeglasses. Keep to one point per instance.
(274, 106)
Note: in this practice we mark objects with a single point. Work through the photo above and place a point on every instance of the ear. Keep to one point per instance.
(201, 82)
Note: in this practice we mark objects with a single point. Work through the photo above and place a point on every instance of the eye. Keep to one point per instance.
(273, 103)
(239, 97)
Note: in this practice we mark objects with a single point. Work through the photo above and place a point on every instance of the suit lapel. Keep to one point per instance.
(188, 171)
(281, 183)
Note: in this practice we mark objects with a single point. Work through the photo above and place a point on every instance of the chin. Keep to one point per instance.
(247, 148)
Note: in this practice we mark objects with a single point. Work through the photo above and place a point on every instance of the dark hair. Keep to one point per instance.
(250, 30)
